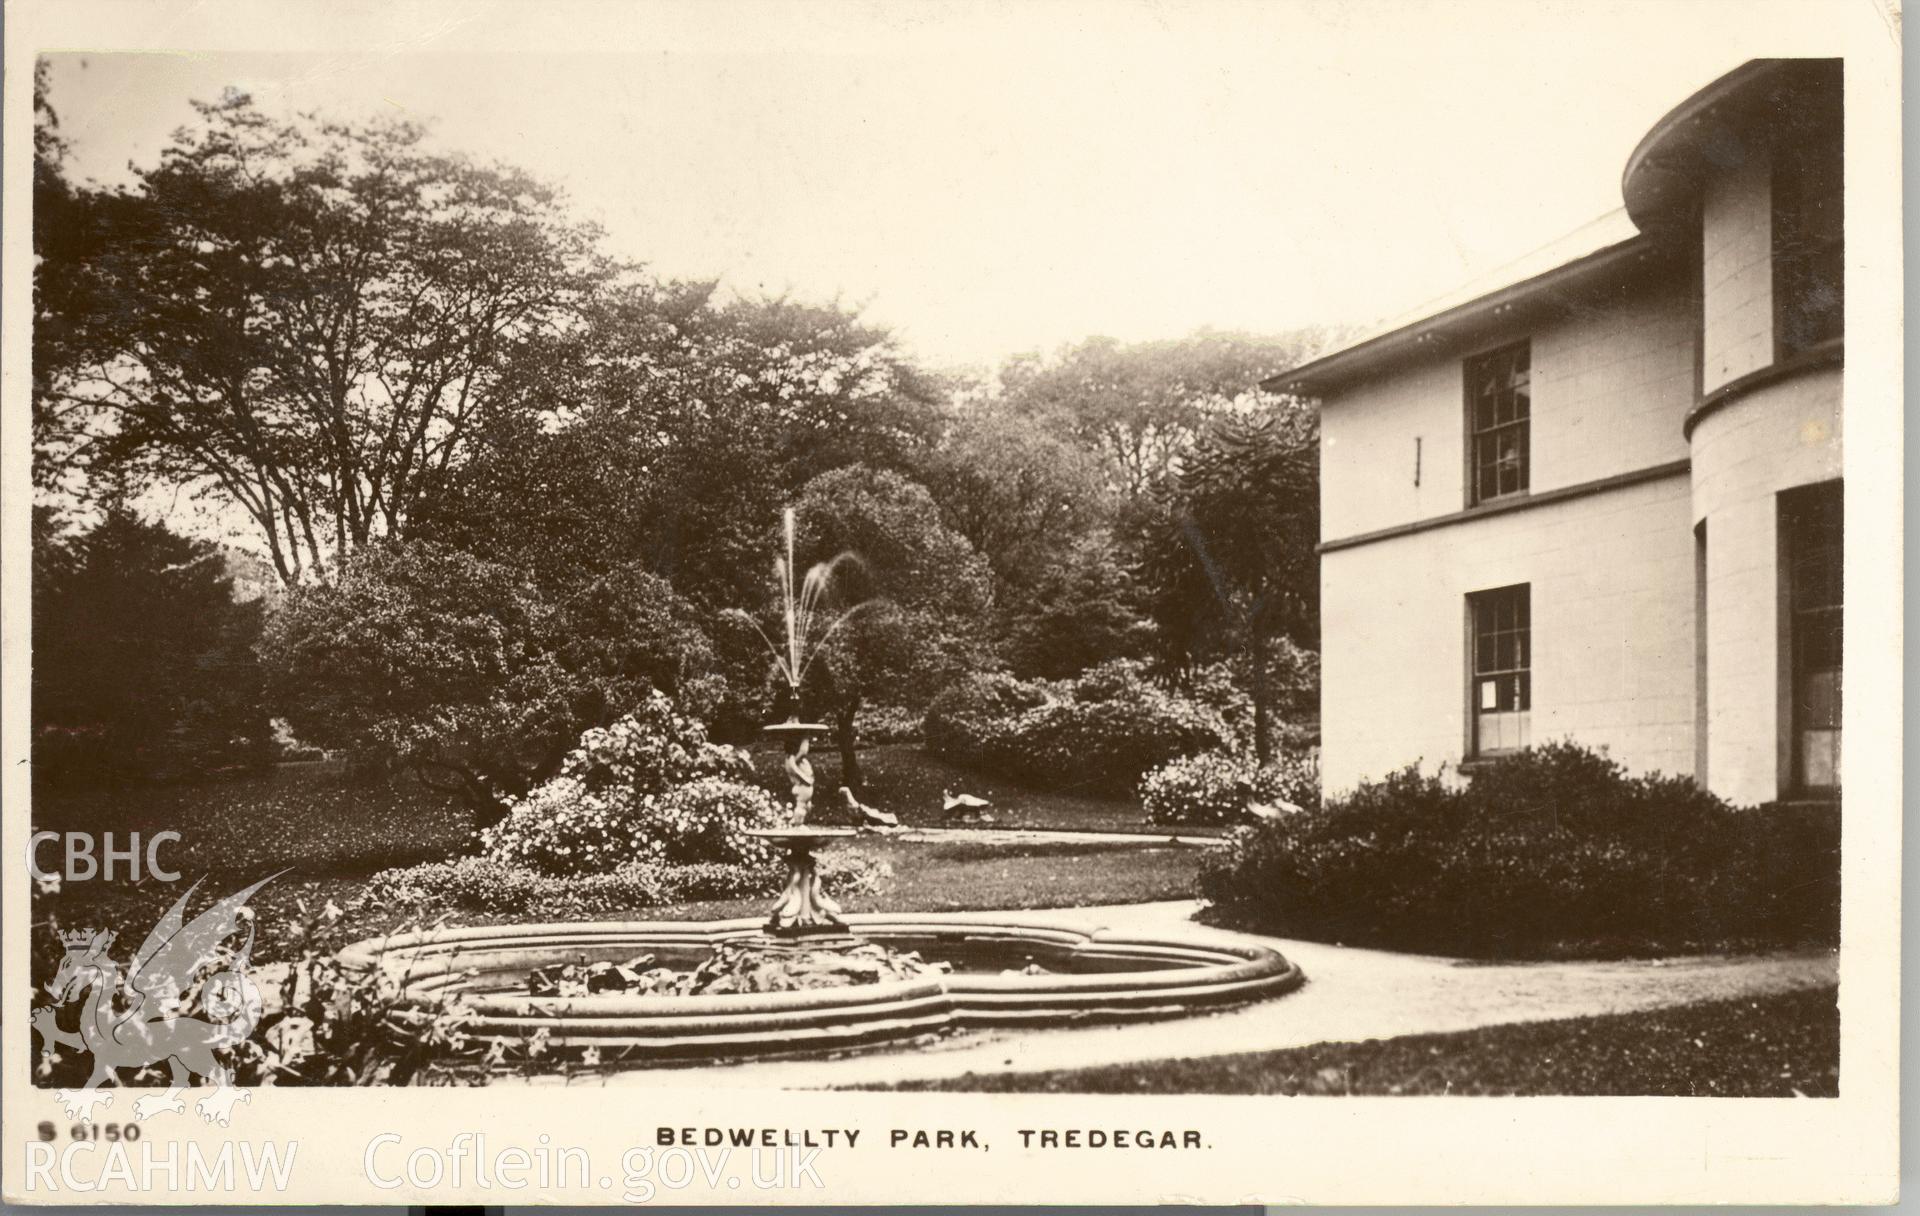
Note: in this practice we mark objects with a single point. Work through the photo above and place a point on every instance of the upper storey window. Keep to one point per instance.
(1499, 406)
(1808, 245)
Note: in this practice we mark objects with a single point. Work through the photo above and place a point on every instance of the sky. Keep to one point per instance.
(1134, 170)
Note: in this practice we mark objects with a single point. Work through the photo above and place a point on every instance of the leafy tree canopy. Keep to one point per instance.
(1139, 405)
(307, 320)
(676, 432)
(1021, 491)
(1230, 560)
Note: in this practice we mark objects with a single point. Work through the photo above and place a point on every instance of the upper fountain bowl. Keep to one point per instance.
(795, 729)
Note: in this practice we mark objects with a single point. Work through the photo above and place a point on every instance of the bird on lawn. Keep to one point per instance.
(869, 814)
(1272, 810)
(951, 802)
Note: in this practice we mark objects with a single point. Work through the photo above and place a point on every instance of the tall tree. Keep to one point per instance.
(69, 227)
(673, 429)
(311, 320)
(1230, 560)
(1020, 490)
(922, 595)
(143, 660)
(1140, 405)
(1083, 609)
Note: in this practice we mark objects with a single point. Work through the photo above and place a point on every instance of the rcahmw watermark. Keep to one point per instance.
(158, 1166)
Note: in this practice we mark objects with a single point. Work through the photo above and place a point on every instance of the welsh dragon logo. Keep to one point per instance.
(151, 1024)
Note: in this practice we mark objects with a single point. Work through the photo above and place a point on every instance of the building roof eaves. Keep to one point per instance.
(1483, 307)
(1665, 167)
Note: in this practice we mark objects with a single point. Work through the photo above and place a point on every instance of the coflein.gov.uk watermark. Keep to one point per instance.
(469, 1162)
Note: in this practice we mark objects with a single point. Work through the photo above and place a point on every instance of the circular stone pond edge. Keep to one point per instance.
(1120, 977)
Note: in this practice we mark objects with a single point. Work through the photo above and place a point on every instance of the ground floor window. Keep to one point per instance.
(1501, 686)
(1811, 566)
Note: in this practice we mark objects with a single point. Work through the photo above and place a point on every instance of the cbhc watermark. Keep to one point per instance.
(86, 859)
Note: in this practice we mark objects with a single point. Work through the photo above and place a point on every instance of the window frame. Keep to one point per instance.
(1807, 231)
(1520, 421)
(1801, 512)
(1490, 599)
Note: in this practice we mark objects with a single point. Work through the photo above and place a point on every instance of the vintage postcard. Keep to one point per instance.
(839, 603)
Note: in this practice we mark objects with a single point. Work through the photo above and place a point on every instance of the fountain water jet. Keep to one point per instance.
(801, 606)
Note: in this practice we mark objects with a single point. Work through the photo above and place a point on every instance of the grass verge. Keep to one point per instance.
(332, 834)
(904, 780)
(1778, 1046)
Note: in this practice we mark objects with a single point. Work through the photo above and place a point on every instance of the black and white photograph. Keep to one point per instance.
(780, 603)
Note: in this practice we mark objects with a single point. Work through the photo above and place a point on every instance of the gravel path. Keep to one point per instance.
(1350, 995)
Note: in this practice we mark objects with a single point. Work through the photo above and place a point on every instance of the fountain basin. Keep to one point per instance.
(1103, 975)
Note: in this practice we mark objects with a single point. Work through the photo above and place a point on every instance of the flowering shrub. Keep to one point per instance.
(1099, 732)
(1551, 852)
(1105, 746)
(652, 750)
(564, 828)
(561, 828)
(1114, 680)
(705, 821)
(649, 788)
(486, 884)
(1216, 787)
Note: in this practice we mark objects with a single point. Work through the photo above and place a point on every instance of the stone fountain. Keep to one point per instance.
(804, 910)
(810, 977)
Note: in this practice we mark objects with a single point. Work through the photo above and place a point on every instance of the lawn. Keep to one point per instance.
(332, 833)
(957, 875)
(902, 778)
(1778, 1046)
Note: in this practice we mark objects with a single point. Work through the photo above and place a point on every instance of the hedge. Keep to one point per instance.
(1553, 852)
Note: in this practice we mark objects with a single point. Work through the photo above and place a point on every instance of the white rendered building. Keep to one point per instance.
(1600, 500)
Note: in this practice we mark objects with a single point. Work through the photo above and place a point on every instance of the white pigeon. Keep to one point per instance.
(1272, 810)
(873, 815)
(950, 802)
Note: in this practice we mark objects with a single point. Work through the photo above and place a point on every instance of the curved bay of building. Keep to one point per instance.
(1566, 432)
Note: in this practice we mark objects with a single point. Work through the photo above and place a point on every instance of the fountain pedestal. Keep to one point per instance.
(804, 908)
